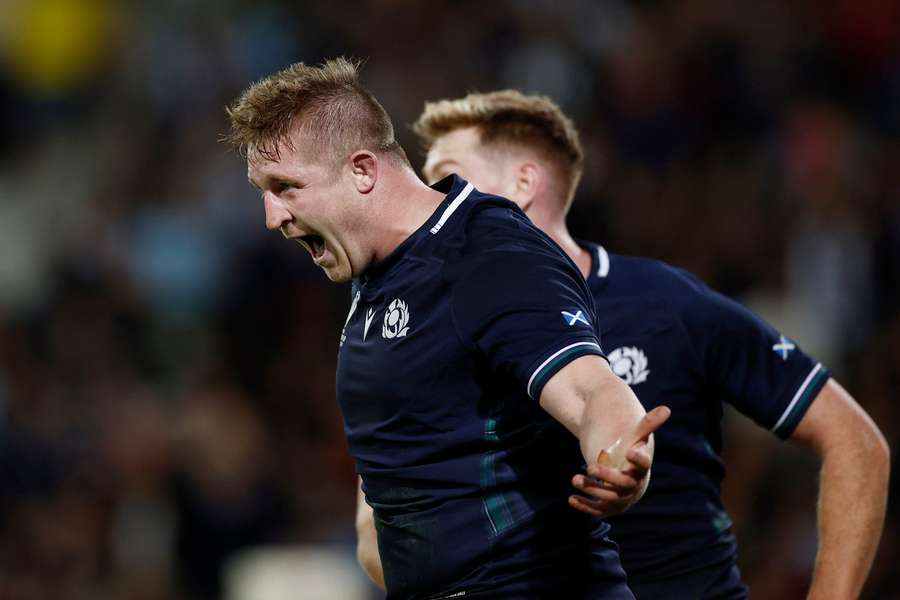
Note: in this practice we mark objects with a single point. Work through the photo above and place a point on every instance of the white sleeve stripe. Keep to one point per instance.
(453, 206)
(550, 359)
(798, 395)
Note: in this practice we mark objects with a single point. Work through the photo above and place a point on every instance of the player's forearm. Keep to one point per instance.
(611, 412)
(852, 501)
(591, 402)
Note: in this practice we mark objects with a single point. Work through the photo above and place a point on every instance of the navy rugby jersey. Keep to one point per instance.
(678, 343)
(444, 354)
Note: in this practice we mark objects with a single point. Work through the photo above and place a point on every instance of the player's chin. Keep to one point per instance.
(337, 278)
(338, 274)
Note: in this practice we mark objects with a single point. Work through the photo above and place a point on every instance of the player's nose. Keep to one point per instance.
(276, 214)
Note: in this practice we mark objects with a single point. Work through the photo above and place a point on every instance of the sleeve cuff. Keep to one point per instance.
(556, 361)
(799, 404)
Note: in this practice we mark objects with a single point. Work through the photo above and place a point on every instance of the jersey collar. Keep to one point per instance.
(457, 190)
(600, 264)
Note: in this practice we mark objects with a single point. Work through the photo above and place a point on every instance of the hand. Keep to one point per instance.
(615, 481)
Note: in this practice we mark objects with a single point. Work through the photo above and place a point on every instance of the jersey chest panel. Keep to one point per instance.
(400, 346)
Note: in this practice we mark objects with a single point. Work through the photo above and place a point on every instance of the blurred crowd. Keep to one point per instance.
(167, 365)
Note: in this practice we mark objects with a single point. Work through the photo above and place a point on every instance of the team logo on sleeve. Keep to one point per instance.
(575, 317)
(396, 319)
(630, 364)
(784, 347)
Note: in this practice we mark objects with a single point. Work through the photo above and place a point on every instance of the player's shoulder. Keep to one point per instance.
(486, 223)
(654, 276)
(684, 294)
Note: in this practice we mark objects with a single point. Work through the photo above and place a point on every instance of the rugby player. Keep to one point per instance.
(470, 374)
(678, 343)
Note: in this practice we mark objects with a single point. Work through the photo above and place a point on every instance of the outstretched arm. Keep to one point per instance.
(367, 540)
(852, 490)
(603, 412)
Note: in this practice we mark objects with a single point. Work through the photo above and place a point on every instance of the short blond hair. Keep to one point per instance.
(327, 102)
(510, 117)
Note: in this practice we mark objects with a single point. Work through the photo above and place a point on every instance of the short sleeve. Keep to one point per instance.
(528, 313)
(749, 364)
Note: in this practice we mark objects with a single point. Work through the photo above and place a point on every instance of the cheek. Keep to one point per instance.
(347, 226)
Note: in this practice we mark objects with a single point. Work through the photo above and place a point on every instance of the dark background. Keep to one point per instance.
(167, 365)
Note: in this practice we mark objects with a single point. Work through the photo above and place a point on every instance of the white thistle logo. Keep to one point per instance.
(630, 364)
(395, 319)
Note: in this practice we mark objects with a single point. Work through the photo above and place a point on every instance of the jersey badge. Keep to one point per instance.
(396, 320)
(575, 317)
(784, 347)
(630, 364)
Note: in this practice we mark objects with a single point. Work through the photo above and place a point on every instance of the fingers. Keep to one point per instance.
(650, 422)
(596, 492)
(639, 456)
(608, 484)
(592, 507)
(612, 477)
(606, 492)
(597, 507)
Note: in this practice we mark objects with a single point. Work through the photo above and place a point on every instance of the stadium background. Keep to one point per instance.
(166, 364)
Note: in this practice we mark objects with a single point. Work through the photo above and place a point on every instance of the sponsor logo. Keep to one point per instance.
(630, 364)
(347, 320)
(370, 314)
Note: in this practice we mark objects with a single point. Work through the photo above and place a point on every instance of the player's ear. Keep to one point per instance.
(364, 170)
(528, 181)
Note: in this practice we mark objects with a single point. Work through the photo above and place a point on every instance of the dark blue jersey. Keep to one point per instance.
(444, 354)
(678, 343)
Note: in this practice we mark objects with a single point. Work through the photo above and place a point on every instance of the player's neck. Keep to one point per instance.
(559, 233)
(405, 205)
(580, 256)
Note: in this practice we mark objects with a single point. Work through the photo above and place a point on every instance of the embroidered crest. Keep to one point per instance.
(630, 364)
(396, 319)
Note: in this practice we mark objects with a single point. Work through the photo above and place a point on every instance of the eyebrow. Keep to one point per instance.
(268, 179)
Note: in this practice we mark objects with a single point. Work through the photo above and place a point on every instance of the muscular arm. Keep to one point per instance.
(604, 414)
(367, 540)
(852, 490)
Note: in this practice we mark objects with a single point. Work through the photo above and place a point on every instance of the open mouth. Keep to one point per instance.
(314, 243)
